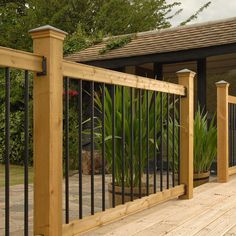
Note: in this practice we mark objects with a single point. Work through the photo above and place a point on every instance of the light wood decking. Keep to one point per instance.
(212, 211)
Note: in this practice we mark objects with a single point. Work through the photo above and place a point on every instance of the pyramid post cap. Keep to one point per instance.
(222, 83)
(46, 28)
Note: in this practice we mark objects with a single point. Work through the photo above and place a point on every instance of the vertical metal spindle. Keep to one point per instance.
(154, 146)
(113, 144)
(147, 140)
(131, 145)
(233, 136)
(92, 148)
(161, 143)
(67, 149)
(80, 111)
(103, 148)
(179, 119)
(26, 151)
(140, 142)
(123, 145)
(7, 151)
(230, 133)
(173, 143)
(167, 139)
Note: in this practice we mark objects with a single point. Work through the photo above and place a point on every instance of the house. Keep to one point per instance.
(207, 48)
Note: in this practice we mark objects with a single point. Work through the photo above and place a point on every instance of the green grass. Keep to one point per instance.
(16, 175)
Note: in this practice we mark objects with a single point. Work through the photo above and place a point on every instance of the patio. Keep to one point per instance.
(212, 211)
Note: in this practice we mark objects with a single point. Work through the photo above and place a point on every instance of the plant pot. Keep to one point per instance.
(118, 193)
(200, 178)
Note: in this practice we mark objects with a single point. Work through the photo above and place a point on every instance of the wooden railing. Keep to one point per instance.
(50, 68)
(226, 130)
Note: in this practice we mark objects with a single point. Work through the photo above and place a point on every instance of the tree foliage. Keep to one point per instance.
(86, 21)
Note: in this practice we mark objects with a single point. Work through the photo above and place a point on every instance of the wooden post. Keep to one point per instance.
(222, 131)
(48, 105)
(186, 132)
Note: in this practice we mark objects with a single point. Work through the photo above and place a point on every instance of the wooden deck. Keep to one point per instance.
(212, 211)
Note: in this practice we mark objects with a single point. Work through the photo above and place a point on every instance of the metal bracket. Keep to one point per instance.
(44, 67)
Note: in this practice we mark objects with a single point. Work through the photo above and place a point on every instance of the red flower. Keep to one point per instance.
(72, 93)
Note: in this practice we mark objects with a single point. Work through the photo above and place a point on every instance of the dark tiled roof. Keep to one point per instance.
(180, 38)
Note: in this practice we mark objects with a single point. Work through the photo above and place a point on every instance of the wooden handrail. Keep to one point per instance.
(86, 72)
(232, 99)
(20, 60)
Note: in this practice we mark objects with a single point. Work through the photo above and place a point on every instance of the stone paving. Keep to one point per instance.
(17, 201)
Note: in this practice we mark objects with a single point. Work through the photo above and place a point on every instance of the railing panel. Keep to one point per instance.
(120, 144)
(232, 133)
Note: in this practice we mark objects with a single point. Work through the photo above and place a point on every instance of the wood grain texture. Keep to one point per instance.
(232, 99)
(222, 131)
(186, 78)
(20, 60)
(48, 95)
(90, 73)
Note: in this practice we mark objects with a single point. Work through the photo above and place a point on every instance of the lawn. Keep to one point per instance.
(16, 175)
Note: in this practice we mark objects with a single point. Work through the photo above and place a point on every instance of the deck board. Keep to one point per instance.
(212, 211)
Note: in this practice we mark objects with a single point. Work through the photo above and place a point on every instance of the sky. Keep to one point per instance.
(219, 9)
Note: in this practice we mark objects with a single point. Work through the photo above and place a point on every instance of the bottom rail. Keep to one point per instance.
(232, 170)
(79, 226)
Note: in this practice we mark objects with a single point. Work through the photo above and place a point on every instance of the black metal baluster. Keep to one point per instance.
(173, 143)
(132, 145)
(155, 140)
(26, 151)
(67, 149)
(234, 125)
(140, 143)
(179, 119)
(167, 139)
(147, 140)
(92, 148)
(7, 151)
(113, 144)
(161, 143)
(123, 145)
(103, 149)
(80, 97)
(230, 133)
